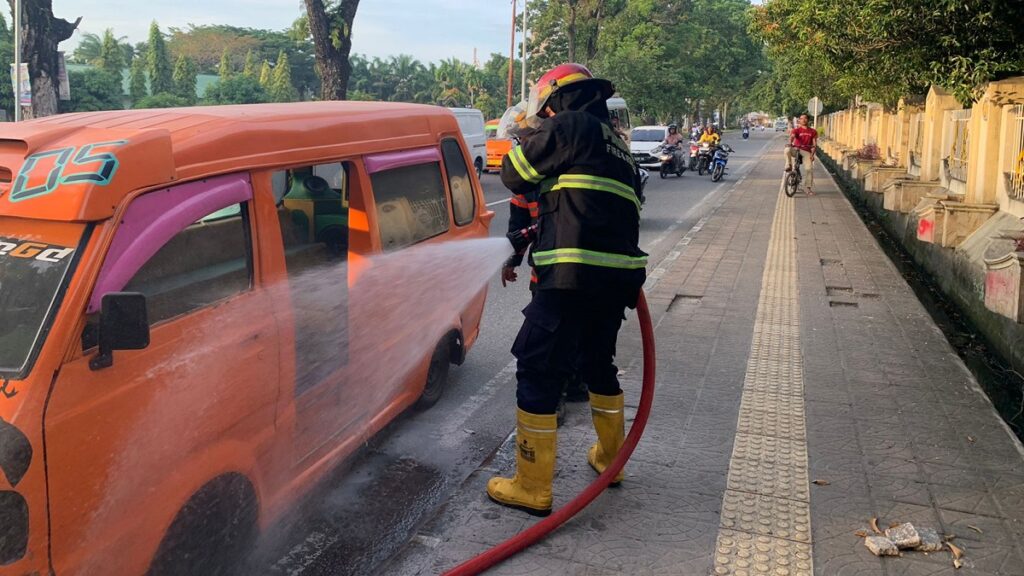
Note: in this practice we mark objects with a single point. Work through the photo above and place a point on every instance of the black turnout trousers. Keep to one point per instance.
(566, 331)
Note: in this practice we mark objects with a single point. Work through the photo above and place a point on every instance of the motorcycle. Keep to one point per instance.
(670, 160)
(721, 158)
(746, 132)
(704, 157)
(694, 151)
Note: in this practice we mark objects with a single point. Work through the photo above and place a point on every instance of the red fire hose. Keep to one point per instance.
(531, 535)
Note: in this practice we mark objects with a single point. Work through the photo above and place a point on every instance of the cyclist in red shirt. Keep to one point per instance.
(803, 141)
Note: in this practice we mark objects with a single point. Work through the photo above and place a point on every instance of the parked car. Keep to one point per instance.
(187, 298)
(471, 122)
(643, 140)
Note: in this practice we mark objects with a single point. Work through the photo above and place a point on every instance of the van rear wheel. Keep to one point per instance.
(437, 375)
(479, 165)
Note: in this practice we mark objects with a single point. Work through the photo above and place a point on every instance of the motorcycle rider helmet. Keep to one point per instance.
(559, 78)
(672, 129)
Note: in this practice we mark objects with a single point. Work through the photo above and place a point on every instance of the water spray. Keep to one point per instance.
(533, 534)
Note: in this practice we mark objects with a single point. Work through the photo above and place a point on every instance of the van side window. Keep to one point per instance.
(312, 208)
(411, 204)
(206, 262)
(313, 212)
(463, 197)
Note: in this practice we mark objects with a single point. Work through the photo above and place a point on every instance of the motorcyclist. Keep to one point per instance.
(673, 137)
(589, 269)
(710, 136)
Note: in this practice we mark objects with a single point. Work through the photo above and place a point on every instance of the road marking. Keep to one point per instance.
(489, 204)
(765, 524)
(453, 432)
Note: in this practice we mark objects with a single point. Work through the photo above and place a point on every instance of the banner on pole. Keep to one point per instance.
(63, 84)
(24, 92)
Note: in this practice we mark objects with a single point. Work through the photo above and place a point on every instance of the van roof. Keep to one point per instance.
(162, 146)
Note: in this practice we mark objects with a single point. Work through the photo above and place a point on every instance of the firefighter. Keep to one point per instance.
(589, 267)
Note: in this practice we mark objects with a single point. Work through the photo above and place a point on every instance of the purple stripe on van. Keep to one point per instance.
(154, 218)
(389, 160)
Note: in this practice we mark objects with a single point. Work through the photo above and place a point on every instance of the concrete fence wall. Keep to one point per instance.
(948, 183)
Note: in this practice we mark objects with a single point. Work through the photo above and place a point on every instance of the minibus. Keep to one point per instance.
(191, 330)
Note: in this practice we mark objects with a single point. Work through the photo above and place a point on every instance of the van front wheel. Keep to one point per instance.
(437, 375)
(213, 533)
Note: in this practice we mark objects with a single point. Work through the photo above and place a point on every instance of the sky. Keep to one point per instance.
(430, 30)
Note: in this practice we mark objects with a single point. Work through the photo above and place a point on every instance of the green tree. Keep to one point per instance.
(281, 88)
(137, 80)
(92, 90)
(224, 70)
(185, 80)
(266, 75)
(249, 69)
(111, 56)
(158, 62)
(884, 50)
(164, 100)
(330, 25)
(236, 90)
(88, 50)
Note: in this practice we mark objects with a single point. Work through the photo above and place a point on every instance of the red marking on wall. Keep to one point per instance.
(925, 230)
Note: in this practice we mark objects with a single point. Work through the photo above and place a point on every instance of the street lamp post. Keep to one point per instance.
(526, 9)
(17, 60)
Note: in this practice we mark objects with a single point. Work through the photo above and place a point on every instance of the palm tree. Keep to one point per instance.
(89, 48)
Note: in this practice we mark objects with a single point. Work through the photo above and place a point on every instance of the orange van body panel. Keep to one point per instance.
(497, 148)
(127, 446)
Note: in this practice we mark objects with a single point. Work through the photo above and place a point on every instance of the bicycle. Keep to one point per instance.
(794, 177)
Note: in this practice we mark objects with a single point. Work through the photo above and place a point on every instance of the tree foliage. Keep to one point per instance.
(281, 88)
(92, 90)
(111, 57)
(885, 49)
(184, 80)
(6, 55)
(158, 62)
(164, 100)
(236, 90)
(225, 69)
(137, 89)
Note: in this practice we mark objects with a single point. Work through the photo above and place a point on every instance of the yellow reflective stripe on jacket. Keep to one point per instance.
(589, 257)
(523, 167)
(597, 183)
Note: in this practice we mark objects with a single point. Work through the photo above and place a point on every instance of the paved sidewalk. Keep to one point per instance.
(802, 389)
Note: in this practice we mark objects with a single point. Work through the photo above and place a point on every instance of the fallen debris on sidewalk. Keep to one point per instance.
(905, 536)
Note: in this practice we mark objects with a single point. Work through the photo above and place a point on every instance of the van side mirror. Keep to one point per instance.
(124, 325)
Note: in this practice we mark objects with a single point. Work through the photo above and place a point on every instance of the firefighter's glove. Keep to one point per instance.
(521, 239)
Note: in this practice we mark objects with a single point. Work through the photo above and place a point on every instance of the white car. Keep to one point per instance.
(642, 140)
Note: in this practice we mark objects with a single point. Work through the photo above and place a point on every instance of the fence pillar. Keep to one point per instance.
(938, 102)
(984, 147)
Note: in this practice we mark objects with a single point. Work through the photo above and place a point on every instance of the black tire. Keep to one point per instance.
(664, 171)
(213, 533)
(693, 164)
(702, 167)
(717, 173)
(792, 183)
(437, 375)
(479, 165)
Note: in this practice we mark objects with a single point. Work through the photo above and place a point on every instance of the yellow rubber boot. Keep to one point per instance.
(530, 489)
(610, 424)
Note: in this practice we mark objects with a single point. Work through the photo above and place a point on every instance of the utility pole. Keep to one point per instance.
(511, 55)
(526, 9)
(17, 60)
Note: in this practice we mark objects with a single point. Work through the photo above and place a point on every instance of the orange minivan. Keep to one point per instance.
(191, 331)
(497, 147)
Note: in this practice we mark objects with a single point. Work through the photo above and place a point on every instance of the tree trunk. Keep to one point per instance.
(40, 34)
(332, 40)
(595, 18)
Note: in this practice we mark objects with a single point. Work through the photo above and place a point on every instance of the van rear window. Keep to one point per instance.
(33, 269)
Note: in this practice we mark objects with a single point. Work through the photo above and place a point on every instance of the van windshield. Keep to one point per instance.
(34, 261)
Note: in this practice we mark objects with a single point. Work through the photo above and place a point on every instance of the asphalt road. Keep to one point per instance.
(367, 512)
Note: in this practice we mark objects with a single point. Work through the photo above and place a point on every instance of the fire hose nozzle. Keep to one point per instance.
(521, 239)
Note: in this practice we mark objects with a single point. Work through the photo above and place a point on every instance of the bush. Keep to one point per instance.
(236, 90)
(164, 100)
(93, 90)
